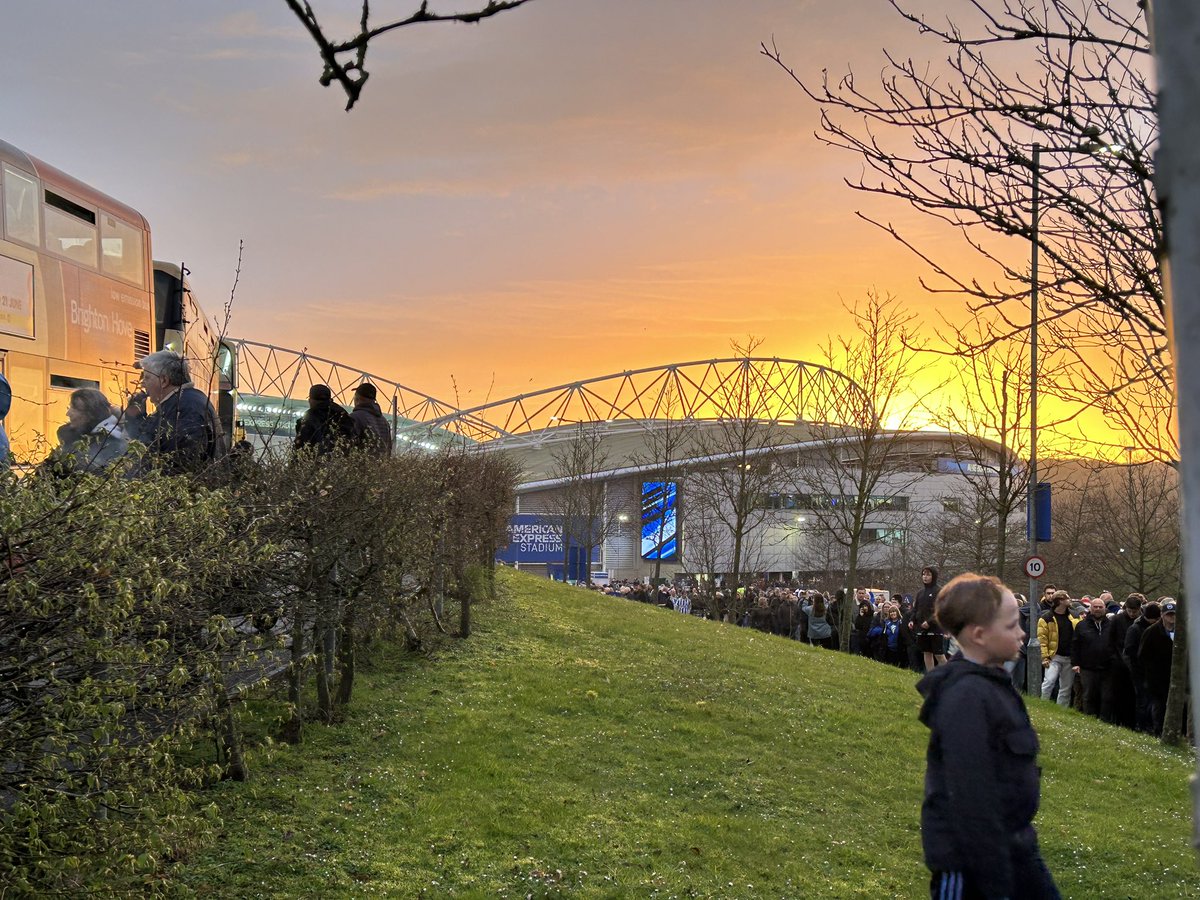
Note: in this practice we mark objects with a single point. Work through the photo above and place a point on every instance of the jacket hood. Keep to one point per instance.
(934, 683)
(109, 426)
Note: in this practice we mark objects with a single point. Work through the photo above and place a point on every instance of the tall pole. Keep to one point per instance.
(1176, 37)
(1033, 651)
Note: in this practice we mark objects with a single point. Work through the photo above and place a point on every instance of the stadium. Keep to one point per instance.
(740, 467)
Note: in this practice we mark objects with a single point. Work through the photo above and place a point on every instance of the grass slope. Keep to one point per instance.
(588, 746)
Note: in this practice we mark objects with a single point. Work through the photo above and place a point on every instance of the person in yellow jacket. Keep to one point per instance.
(1056, 629)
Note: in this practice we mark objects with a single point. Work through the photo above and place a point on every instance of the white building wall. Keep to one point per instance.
(783, 544)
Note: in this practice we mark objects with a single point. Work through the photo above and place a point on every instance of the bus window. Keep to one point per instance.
(70, 230)
(20, 207)
(71, 383)
(227, 365)
(121, 250)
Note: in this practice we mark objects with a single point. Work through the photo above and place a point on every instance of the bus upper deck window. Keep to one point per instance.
(121, 251)
(70, 229)
(21, 207)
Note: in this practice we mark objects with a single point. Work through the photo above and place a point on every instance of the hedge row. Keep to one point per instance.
(131, 608)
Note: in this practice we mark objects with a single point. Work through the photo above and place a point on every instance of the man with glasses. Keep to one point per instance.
(183, 434)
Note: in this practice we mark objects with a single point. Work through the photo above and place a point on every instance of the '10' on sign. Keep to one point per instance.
(1035, 566)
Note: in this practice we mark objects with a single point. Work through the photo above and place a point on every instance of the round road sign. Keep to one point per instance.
(1035, 566)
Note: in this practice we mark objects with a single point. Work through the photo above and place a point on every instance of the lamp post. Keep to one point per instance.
(1033, 650)
(1092, 146)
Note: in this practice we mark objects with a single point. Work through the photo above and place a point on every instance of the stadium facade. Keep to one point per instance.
(736, 465)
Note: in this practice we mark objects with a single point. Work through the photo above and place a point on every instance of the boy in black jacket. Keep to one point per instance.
(982, 780)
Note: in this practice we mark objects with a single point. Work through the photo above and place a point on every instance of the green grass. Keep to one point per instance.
(586, 746)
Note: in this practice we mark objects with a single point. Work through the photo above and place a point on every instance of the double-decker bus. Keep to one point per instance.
(81, 301)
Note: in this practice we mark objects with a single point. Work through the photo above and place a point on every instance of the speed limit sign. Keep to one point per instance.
(1035, 566)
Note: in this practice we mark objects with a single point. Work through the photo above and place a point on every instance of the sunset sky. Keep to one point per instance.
(573, 188)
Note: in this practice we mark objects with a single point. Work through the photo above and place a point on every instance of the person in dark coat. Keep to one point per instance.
(1124, 709)
(1091, 657)
(931, 641)
(1151, 612)
(859, 642)
(786, 615)
(371, 430)
(759, 615)
(326, 426)
(1155, 656)
(1020, 670)
(982, 781)
(184, 433)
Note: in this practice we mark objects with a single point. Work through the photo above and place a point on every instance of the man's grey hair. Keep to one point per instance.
(166, 363)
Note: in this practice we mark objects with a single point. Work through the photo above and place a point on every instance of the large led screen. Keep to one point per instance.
(659, 520)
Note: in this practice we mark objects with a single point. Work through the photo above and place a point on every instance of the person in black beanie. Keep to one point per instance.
(326, 426)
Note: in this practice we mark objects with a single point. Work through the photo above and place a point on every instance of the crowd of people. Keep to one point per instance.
(1110, 660)
(1107, 659)
(895, 629)
(184, 433)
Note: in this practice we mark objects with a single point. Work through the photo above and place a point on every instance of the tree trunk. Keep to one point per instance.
(324, 696)
(346, 658)
(1173, 731)
(850, 605)
(231, 742)
(1002, 542)
(412, 640)
(464, 623)
(324, 641)
(293, 728)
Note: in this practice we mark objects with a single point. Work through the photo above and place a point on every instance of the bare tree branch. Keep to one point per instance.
(954, 141)
(351, 73)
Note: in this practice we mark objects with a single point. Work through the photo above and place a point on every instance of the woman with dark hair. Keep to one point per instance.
(91, 438)
(820, 632)
(931, 640)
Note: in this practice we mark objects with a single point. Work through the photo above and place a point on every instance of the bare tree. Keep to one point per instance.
(345, 60)
(705, 539)
(580, 502)
(1072, 553)
(820, 558)
(1138, 546)
(955, 142)
(855, 467)
(737, 451)
(992, 401)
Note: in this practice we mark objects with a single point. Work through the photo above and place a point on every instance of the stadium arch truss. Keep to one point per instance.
(787, 391)
(273, 382)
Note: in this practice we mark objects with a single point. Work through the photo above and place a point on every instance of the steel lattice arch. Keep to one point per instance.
(273, 385)
(273, 381)
(788, 391)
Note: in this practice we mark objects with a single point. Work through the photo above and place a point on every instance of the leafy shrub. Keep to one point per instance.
(126, 603)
